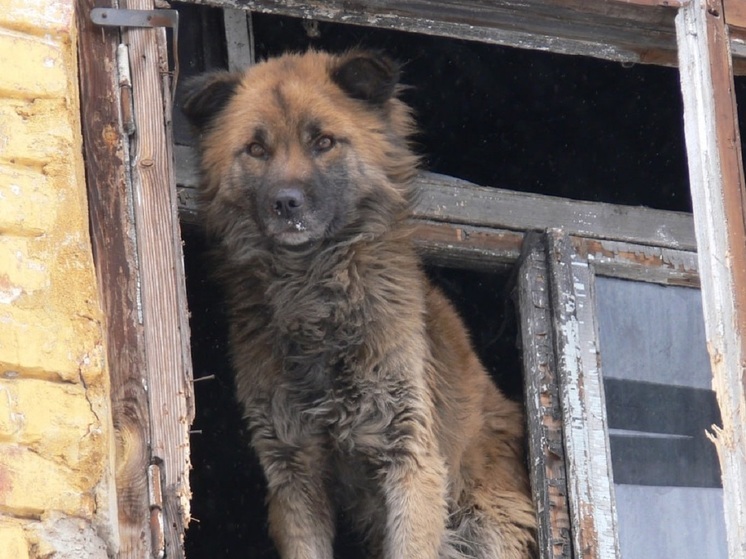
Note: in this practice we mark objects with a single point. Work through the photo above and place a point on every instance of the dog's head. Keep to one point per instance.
(303, 148)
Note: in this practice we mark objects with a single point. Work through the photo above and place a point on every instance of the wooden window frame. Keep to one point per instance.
(133, 199)
(573, 265)
(139, 262)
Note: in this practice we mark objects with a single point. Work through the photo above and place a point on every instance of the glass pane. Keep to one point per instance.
(659, 403)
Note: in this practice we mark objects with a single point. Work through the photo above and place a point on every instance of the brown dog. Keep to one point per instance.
(360, 386)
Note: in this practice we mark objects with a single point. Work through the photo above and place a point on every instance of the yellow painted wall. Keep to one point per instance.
(55, 420)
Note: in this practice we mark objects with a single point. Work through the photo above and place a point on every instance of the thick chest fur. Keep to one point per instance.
(332, 351)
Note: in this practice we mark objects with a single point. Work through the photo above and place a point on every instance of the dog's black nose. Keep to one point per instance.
(289, 201)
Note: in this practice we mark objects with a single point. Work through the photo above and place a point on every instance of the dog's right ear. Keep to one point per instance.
(206, 95)
(367, 75)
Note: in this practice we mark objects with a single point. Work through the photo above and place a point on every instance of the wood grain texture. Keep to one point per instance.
(164, 307)
(719, 202)
(112, 232)
(589, 478)
(609, 30)
(625, 31)
(543, 412)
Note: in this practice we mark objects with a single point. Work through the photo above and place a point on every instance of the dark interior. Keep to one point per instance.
(537, 122)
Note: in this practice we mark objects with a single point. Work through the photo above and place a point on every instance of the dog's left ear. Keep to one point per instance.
(368, 76)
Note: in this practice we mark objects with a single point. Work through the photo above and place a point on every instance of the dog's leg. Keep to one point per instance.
(414, 487)
(301, 516)
(416, 505)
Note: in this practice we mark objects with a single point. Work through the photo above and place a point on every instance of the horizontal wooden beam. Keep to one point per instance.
(448, 199)
(649, 3)
(666, 266)
(464, 246)
(629, 31)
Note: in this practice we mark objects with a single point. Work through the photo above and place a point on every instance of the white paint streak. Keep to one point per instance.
(8, 296)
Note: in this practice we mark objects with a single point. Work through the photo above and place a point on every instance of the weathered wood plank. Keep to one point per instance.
(623, 32)
(239, 39)
(477, 248)
(735, 19)
(115, 252)
(448, 199)
(589, 478)
(451, 199)
(735, 13)
(543, 413)
(164, 308)
(639, 262)
(639, 31)
(719, 201)
(663, 3)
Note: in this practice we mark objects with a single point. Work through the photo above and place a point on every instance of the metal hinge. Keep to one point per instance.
(115, 17)
(125, 89)
(155, 502)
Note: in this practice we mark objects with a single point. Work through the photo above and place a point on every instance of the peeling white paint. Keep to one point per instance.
(8, 296)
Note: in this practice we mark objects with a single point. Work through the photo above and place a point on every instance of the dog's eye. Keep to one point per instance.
(257, 150)
(323, 143)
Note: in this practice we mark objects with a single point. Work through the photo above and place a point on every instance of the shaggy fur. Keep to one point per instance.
(361, 389)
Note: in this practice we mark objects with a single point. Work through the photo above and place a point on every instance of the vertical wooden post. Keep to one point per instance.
(239, 38)
(719, 202)
(589, 478)
(110, 202)
(164, 305)
(543, 413)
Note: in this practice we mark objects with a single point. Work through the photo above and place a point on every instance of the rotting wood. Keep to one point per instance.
(478, 248)
(112, 233)
(589, 478)
(638, 262)
(543, 413)
(719, 201)
(630, 32)
(448, 199)
(164, 308)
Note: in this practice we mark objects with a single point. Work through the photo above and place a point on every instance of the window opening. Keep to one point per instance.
(523, 120)
(538, 122)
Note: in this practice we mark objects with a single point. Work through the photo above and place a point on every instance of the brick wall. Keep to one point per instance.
(56, 487)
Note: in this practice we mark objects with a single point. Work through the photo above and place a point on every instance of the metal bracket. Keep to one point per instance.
(115, 17)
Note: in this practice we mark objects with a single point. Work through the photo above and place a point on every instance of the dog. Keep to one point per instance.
(363, 395)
